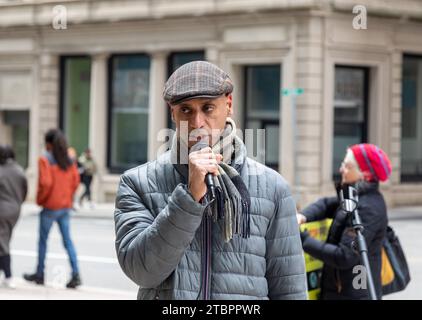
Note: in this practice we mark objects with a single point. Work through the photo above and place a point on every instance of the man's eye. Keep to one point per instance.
(185, 110)
(208, 108)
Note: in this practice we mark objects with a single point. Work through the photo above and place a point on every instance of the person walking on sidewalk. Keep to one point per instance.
(89, 168)
(174, 241)
(13, 190)
(364, 166)
(57, 182)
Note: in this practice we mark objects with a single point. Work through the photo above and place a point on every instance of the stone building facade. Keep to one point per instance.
(100, 74)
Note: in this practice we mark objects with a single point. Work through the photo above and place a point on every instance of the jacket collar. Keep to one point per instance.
(365, 187)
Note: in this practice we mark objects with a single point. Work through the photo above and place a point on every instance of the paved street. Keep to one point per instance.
(93, 237)
(93, 234)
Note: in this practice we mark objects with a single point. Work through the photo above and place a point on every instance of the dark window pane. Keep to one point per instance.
(129, 111)
(350, 111)
(409, 97)
(130, 82)
(263, 89)
(262, 98)
(18, 122)
(271, 144)
(130, 139)
(178, 59)
(411, 143)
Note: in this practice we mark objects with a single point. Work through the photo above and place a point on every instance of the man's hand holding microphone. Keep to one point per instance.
(201, 162)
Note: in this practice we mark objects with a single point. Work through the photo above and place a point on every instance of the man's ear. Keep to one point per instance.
(230, 105)
(172, 113)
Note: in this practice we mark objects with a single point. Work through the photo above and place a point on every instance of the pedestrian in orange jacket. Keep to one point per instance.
(57, 182)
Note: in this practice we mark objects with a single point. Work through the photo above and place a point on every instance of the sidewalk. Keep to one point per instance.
(29, 291)
(405, 213)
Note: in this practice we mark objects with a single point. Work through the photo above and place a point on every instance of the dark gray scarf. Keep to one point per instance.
(232, 204)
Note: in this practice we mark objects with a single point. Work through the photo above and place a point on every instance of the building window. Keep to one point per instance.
(75, 89)
(176, 60)
(350, 111)
(15, 103)
(262, 99)
(17, 124)
(128, 112)
(411, 122)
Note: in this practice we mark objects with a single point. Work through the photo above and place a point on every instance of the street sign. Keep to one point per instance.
(292, 92)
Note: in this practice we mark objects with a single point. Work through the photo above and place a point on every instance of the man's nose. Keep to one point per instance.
(197, 121)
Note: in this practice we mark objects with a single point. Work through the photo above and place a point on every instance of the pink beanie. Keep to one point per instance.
(372, 161)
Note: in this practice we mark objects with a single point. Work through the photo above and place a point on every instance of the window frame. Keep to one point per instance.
(366, 121)
(263, 120)
(110, 73)
(407, 178)
(62, 86)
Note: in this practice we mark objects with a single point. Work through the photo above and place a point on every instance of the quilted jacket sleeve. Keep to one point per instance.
(343, 255)
(321, 209)
(286, 274)
(148, 248)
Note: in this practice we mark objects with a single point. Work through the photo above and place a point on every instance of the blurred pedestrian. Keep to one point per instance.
(58, 180)
(13, 190)
(89, 168)
(364, 166)
(73, 155)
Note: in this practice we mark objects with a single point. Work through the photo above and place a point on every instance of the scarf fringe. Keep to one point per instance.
(234, 212)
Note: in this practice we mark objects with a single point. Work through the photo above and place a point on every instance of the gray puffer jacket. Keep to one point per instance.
(159, 238)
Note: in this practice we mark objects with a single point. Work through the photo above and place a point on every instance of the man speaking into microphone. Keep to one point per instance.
(204, 221)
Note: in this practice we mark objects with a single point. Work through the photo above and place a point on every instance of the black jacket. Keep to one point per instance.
(338, 253)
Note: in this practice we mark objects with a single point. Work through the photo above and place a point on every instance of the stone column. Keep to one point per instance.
(98, 121)
(157, 107)
(309, 76)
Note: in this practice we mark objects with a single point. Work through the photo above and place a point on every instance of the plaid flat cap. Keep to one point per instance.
(197, 79)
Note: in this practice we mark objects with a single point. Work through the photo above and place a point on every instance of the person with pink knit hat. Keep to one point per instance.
(371, 161)
(365, 166)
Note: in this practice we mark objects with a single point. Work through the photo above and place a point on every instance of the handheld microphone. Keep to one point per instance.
(209, 179)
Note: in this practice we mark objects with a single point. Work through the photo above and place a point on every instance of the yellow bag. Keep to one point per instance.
(387, 272)
(394, 269)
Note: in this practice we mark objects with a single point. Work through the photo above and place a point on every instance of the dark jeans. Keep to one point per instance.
(5, 265)
(47, 217)
(86, 180)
